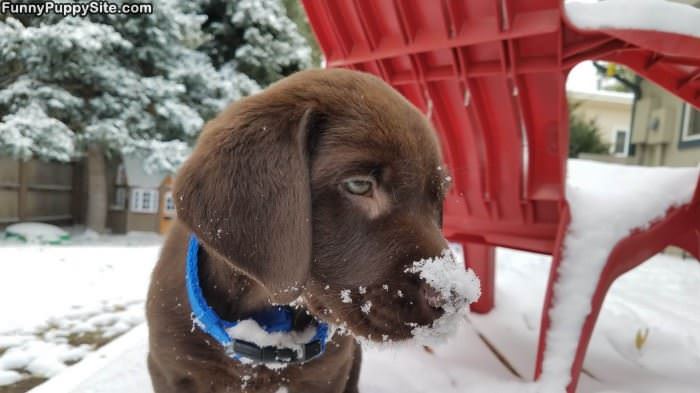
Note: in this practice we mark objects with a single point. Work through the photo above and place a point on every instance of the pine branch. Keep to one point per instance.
(634, 86)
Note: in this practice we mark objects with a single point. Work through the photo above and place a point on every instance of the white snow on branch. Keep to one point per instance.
(658, 15)
(30, 131)
(159, 157)
(180, 116)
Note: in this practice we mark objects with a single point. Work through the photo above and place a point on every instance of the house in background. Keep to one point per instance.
(611, 111)
(56, 193)
(656, 129)
(139, 201)
(665, 130)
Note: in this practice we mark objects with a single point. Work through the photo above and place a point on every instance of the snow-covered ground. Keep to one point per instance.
(660, 297)
(60, 302)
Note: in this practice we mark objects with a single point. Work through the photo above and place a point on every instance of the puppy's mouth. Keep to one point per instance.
(441, 291)
(386, 313)
(420, 306)
(427, 304)
(449, 286)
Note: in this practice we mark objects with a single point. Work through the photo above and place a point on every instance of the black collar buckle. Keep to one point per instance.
(270, 354)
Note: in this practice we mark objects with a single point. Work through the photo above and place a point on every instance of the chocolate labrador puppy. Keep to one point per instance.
(318, 191)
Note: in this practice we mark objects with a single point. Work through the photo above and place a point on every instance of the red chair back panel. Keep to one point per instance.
(491, 76)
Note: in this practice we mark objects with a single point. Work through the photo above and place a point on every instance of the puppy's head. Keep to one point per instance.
(329, 185)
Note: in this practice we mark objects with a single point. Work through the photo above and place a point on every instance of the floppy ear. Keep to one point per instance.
(245, 190)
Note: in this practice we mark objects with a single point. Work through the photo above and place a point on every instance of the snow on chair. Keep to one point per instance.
(491, 76)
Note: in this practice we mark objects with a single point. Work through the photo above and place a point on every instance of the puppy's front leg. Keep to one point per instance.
(337, 372)
(161, 384)
(354, 378)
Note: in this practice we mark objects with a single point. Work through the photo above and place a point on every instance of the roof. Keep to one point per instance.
(612, 97)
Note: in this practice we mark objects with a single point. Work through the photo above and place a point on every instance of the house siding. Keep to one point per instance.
(661, 145)
(143, 222)
(609, 117)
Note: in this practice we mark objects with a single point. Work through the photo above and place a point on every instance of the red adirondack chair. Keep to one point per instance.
(491, 76)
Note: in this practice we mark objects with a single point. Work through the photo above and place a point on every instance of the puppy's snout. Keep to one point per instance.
(432, 297)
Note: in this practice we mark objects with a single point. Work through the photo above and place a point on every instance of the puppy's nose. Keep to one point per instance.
(432, 296)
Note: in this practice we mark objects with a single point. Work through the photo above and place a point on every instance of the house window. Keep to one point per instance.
(619, 147)
(691, 124)
(119, 202)
(144, 200)
(169, 204)
(121, 176)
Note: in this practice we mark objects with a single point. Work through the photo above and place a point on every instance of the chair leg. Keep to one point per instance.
(626, 255)
(606, 279)
(587, 330)
(690, 242)
(481, 259)
(549, 293)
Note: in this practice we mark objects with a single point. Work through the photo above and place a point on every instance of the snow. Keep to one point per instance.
(159, 157)
(635, 14)
(488, 353)
(366, 307)
(456, 286)
(345, 296)
(37, 232)
(30, 131)
(249, 330)
(137, 85)
(8, 377)
(464, 363)
(62, 301)
(272, 41)
(631, 200)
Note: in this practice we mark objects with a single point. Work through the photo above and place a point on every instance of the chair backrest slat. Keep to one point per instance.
(491, 76)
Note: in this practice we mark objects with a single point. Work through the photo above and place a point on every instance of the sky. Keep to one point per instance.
(582, 78)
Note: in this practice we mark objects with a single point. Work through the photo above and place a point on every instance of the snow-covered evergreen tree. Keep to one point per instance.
(117, 81)
(135, 84)
(256, 37)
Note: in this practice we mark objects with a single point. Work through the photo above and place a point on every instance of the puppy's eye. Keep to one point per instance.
(359, 186)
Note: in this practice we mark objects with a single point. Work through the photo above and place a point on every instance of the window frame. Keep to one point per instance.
(168, 208)
(136, 202)
(120, 198)
(120, 178)
(688, 111)
(626, 145)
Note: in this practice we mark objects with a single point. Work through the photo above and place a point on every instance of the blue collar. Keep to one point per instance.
(272, 320)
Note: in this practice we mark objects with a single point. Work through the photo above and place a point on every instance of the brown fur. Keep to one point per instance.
(264, 192)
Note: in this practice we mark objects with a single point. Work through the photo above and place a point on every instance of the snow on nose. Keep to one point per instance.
(432, 296)
(446, 285)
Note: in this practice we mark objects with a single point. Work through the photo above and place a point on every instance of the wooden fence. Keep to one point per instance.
(38, 191)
